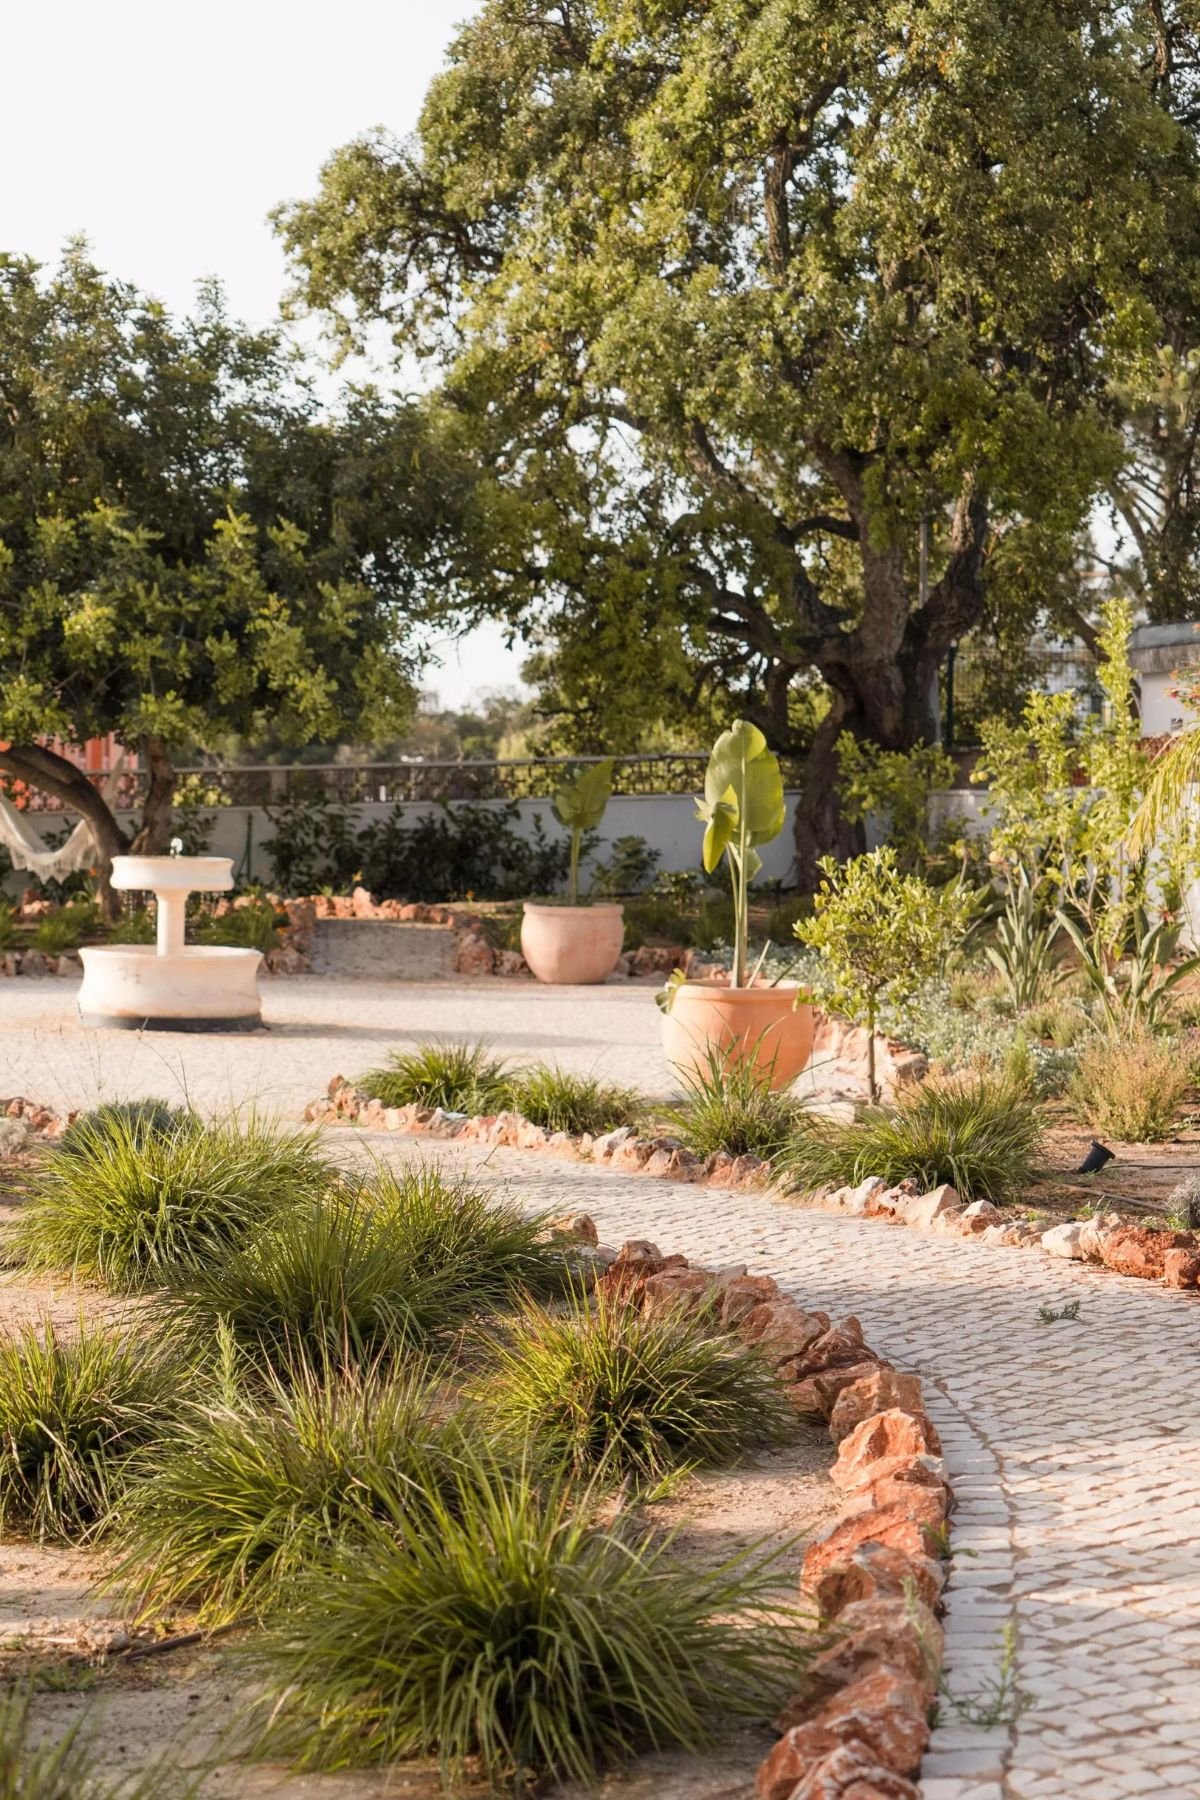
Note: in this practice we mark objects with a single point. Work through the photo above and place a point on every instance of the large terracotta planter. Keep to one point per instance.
(761, 1025)
(572, 946)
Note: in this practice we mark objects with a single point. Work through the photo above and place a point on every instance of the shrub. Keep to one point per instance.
(517, 1633)
(127, 1206)
(63, 930)
(629, 867)
(1062, 1025)
(1182, 1209)
(72, 1413)
(609, 1387)
(335, 1278)
(730, 1106)
(136, 927)
(253, 927)
(8, 927)
(978, 1131)
(457, 1077)
(1132, 1087)
(480, 1250)
(256, 1487)
(558, 1100)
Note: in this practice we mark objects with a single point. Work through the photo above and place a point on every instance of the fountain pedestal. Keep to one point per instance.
(170, 986)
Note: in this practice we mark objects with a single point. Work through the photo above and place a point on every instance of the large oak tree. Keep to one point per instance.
(731, 294)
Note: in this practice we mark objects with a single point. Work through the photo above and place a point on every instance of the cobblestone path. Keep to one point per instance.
(1074, 1449)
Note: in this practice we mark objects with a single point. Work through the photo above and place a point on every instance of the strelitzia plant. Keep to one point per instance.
(579, 806)
(743, 807)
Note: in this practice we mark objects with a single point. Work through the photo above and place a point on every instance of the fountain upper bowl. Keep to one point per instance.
(160, 874)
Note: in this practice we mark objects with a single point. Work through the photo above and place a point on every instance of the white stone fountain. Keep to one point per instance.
(170, 986)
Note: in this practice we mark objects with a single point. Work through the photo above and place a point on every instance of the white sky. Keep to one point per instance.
(166, 130)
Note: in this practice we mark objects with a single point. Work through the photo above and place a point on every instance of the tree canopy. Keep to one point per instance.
(190, 544)
(727, 296)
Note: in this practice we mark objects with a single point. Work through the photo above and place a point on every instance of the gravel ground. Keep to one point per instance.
(319, 1026)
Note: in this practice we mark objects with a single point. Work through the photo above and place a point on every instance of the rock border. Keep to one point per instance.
(874, 1579)
(1111, 1240)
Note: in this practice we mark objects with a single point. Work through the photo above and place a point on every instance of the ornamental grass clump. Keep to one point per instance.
(730, 1105)
(74, 1411)
(255, 1488)
(605, 1387)
(558, 1100)
(506, 1630)
(978, 1131)
(457, 1077)
(1133, 1086)
(130, 1206)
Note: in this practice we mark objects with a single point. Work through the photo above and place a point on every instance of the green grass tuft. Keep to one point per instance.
(730, 1105)
(509, 1629)
(557, 1100)
(980, 1132)
(456, 1077)
(605, 1386)
(73, 1412)
(253, 1489)
(129, 1207)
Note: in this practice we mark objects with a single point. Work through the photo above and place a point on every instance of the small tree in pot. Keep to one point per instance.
(580, 942)
(743, 806)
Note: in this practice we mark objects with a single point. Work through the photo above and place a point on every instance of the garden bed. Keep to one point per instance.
(732, 1460)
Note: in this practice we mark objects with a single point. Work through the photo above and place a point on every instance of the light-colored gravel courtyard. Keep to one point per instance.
(316, 1027)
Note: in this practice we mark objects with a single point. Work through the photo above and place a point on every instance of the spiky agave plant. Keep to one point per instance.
(74, 1411)
(601, 1385)
(129, 1207)
(505, 1626)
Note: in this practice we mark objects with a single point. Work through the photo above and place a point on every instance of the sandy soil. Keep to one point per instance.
(1138, 1180)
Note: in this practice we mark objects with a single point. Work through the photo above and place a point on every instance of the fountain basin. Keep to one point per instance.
(131, 987)
(170, 985)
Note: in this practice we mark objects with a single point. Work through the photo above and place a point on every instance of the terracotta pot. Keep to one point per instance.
(762, 1025)
(572, 946)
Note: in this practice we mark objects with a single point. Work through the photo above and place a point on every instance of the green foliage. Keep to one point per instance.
(978, 1131)
(1130, 978)
(135, 927)
(130, 1206)
(456, 1077)
(512, 1633)
(1182, 1210)
(330, 1280)
(1023, 951)
(637, 1396)
(252, 927)
(894, 786)
(579, 806)
(8, 927)
(880, 932)
(977, 1035)
(730, 1105)
(629, 868)
(133, 1119)
(64, 929)
(257, 1487)
(558, 1100)
(73, 1412)
(1133, 1086)
(455, 852)
(743, 806)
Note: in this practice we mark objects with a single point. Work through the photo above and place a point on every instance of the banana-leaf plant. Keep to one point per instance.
(579, 806)
(743, 806)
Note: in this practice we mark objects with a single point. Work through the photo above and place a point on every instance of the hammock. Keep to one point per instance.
(28, 850)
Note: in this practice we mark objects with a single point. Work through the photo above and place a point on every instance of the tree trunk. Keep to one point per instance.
(154, 833)
(821, 828)
(62, 780)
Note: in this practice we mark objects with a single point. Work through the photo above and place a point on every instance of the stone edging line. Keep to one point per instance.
(876, 1576)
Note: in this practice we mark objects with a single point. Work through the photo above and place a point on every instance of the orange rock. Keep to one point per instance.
(876, 1392)
(789, 1331)
(892, 1433)
(1136, 1250)
(836, 1348)
(899, 1632)
(816, 1396)
(1181, 1268)
(884, 1712)
(741, 1294)
(889, 1525)
(675, 1291)
(926, 1505)
(876, 1571)
(851, 1773)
